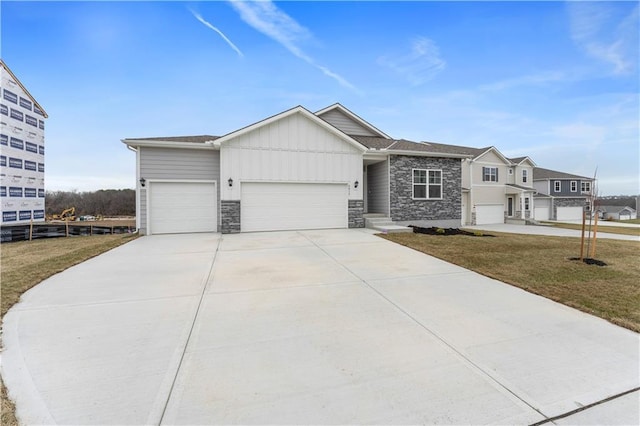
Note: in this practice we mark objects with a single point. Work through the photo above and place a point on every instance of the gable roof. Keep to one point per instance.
(354, 117)
(24, 89)
(519, 160)
(545, 174)
(615, 209)
(296, 110)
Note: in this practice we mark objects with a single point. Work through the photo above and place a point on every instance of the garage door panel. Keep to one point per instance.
(489, 214)
(569, 213)
(181, 207)
(288, 206)
(541, 213)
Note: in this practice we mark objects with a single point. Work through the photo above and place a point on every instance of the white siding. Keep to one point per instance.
(346, 124)
(378, 187)
(293, 149)
(175, 164)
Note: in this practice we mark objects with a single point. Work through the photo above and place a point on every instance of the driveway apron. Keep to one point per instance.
(324, 327)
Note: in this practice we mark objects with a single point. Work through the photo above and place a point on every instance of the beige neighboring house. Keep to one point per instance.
(495, 189)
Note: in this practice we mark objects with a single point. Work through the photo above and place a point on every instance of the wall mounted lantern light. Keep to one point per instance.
(355, 184)
(143, 181)
(230, 182)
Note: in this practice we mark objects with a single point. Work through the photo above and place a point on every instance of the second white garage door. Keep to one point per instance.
(181, 207)
(569, 213)
(286, 206)
(488, 214)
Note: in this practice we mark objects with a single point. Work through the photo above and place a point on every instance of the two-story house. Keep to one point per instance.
(561, 196)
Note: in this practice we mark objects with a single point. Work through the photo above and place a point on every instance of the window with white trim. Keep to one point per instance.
(585, 186)
(427, 184)
(524, 175)
(574, 186)
(489, 174)
(556, 186)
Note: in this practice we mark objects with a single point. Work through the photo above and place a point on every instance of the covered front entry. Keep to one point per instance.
(182, 207)
(489, 214)
(285, 206)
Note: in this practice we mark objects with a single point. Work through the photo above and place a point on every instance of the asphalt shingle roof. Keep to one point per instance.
(189, 139)
(541, 174)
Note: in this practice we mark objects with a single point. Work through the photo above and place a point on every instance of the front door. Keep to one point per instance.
(510, 206)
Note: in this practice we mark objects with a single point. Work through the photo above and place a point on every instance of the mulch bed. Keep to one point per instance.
(447, 231)
(590, 261)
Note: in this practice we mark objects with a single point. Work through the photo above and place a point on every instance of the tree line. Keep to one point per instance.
(105, 202)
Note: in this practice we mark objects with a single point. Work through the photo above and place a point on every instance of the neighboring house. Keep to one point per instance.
(561, 196)
(616, 212)
(21, 151)
(494, 188)
(294, 170)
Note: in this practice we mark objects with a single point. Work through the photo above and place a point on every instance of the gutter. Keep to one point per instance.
(170, 144)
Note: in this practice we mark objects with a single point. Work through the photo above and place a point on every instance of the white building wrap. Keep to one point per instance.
(22, 152)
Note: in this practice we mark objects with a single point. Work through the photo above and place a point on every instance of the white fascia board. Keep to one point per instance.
(169, 144)
(297, 110)
(498, 153)
(425, 154)
(354, 117)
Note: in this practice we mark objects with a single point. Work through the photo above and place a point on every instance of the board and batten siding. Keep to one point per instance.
(292, 149)
(346, 124)
(176, 164)
(378, 187)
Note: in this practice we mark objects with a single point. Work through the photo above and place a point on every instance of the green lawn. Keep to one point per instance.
(27, 263)
(541, 265)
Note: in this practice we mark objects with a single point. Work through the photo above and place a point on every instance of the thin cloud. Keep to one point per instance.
(265, 17)
(224, 37)
(421, 64)
(601, 31)
(541, 79)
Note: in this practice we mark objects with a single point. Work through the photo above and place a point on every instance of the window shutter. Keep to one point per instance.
(484, 173)
(497, 175)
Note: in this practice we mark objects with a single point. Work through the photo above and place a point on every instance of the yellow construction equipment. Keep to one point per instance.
(68, 215)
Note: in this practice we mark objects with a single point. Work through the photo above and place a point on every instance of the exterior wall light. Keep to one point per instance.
(355, 184)
(143, 181)
(230, 182)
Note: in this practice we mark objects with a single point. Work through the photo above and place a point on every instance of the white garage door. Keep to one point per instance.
(569, 213)
(283, 206)
(181, 207)
(541, 213)
(489, 214)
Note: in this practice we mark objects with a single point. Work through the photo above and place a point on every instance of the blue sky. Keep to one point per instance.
(557, 81)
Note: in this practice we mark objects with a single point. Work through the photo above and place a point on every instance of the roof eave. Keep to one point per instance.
(169, 144)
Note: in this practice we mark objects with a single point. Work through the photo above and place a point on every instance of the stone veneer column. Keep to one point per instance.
(230, 212)
(356, 210)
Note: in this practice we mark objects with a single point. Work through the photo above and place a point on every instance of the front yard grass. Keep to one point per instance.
(541, 265)
(27, 263)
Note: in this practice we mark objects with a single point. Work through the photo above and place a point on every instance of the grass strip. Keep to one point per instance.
(541, 265)
(621, 230)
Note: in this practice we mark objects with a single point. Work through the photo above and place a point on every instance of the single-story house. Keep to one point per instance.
(294, 170)
(616, 212)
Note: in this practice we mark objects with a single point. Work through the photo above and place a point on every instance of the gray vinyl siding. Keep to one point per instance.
(176, 164)
(565, 188)
(346, 124)
(378, 187)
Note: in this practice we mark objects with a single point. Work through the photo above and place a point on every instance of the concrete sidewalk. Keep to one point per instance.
(323, 327)
(548, 230)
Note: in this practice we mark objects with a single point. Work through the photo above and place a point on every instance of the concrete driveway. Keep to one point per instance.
(315, 327)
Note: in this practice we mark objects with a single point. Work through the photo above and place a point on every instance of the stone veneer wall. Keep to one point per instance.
(566, 202)
(356, 210)
(230, 215)
(404, 208)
